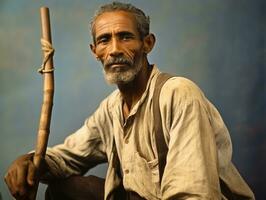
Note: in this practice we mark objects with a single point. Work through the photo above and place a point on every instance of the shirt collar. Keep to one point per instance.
(118, 107)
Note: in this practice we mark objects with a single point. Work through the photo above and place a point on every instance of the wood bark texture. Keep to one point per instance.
(48, 93)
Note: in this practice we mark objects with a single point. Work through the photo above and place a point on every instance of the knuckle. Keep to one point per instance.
(21, 192)
(14, 193)
(6, 177)
(18, 192)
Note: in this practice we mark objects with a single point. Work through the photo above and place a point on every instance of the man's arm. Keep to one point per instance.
(79, 152)
(83, 149)
(191, 171)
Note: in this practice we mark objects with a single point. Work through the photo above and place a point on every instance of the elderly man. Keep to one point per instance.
(122, 130)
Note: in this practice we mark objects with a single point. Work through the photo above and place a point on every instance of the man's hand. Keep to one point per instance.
(21, 176)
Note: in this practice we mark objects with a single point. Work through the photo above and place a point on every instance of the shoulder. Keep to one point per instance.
(182, 90)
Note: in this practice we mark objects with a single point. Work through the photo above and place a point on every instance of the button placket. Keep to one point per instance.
(127, 160)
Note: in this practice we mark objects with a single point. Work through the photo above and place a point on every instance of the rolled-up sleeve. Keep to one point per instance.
(191, 171)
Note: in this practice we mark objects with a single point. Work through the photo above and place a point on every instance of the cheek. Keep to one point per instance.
(100, 52)
(134, 52)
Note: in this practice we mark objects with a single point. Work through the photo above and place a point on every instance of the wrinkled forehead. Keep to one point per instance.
(115, 20)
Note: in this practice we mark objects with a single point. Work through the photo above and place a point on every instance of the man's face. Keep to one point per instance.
(118, 46)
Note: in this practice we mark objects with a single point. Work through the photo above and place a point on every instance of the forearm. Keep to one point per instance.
(80, 151)
(75, 156)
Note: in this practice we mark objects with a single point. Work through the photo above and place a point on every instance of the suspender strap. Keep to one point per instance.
(161, 146)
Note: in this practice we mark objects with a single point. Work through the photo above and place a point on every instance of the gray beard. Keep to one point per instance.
(123, 77)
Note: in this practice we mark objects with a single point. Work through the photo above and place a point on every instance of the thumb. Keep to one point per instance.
(32, 173)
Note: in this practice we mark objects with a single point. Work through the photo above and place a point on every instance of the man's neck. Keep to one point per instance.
(132, 92)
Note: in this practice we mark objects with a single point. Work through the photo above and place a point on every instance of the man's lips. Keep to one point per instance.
(118, 66)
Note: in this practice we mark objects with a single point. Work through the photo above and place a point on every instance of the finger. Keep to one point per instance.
(8, 181)
(10, 178)
(31, 176)
(21, 182)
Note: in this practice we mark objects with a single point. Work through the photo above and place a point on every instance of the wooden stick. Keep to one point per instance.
(48, 93)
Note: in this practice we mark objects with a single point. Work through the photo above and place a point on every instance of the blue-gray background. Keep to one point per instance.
(217, 43)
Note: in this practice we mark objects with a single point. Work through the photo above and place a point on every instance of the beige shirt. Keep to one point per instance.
(199, 145)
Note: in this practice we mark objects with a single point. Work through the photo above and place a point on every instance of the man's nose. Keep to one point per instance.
(115, 48)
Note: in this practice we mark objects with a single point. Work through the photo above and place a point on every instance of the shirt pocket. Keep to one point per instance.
(146, 168)
(154, 168)
(146, 175)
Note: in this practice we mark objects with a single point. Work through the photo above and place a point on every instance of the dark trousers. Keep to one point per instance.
(84, 188)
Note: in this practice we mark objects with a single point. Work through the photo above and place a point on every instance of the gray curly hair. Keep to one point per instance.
(143, 21)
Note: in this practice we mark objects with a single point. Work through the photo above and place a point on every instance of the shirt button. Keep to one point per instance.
(126, 141)
(126, 171)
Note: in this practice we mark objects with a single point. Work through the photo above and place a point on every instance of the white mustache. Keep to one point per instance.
(117, 60)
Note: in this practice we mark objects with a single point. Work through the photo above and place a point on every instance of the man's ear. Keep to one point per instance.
(93, 50)
(149, 41)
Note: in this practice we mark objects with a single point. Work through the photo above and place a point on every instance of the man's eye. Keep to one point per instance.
(102, 40)
(126, 37)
